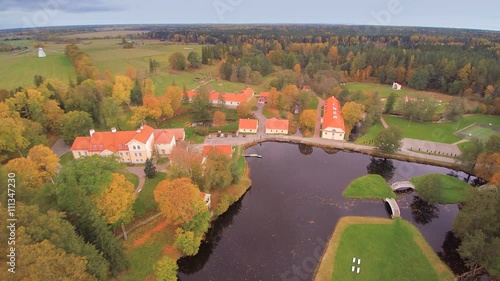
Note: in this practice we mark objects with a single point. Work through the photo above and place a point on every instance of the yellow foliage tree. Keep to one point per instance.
(179, 200)
(148, 88)
(166, 107)
(487, 165)
(46, 161)
(174, 94)
(27, 172)
(272, 100)
(53, 113)
(121, 89)
(244, 109)
(116, 201)
(353, 113)
(308, 119)
(219, 119)
(333, 54)
(296, 68)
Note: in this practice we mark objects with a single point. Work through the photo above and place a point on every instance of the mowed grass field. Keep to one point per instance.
(454, 190)
(482, 133)
(388, 249)
(385, 90)
(437, 132)
(369, 186)
(18, 70)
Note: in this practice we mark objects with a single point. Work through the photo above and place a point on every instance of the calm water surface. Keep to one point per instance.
(290, 211)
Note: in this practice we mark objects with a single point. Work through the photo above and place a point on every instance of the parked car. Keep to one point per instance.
(244, 135)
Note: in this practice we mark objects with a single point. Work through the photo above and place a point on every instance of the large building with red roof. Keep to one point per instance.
(248, 126)
(128, 146)
(230, 99)
(332, 122)
(276, 126)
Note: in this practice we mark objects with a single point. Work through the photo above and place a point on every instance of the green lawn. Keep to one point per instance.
(464, 145)
(454, 190)
(314, 102)
(133, 178)
(388, 251)
(369, 186)
(145, 200)
(385, 90)
(367, 139)
(480, 132)
(19, 70)
(438, 132)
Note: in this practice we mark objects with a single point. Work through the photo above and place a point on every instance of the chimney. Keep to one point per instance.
(138, 130)
(113, 130)
(142, 127)
(91, 132)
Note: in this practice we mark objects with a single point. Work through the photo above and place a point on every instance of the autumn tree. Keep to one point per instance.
(389, 140)
(455, 109)
(53, 113)
(131, 73)
(272, 99)
(46, 161)
(297, 70)
(487, 165)
(115, 203)
(244, 109)
(166, 269)
(174, 94)
(27, 170)
(122, 88)
(73, 124)
(219, 119)
(333, 55)
(53, 227)
(470, 153)
(201, 105)
(290, 93)
(11, 131)
(353, 113)
(179, 200)
(185, 162)
(177, 61)
(308, 119)
(42, 261)
(148, 87)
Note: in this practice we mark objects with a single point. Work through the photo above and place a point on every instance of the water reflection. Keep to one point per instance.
(381, 166)
(193, 264)
(422, 211)
(305, 149)
(450, 255)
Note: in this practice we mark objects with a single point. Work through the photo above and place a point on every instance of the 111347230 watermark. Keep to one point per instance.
(11, 222)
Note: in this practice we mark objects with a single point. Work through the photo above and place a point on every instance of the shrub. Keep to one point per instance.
(201, 131)
(225, 201)
(187, 242)
(166, 269)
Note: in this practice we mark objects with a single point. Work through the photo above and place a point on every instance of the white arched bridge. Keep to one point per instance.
(394, 207)
(402, 185)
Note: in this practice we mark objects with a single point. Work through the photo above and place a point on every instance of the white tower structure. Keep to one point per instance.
(41, 53)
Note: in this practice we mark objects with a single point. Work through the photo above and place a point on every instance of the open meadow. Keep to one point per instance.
(18, 69)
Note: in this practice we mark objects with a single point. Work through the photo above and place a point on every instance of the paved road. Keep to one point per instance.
(430, 147)
(60, 148)
(262, 119)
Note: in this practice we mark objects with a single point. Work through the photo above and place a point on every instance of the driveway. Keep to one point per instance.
(262, 119)
(317, 126)
(60, 148)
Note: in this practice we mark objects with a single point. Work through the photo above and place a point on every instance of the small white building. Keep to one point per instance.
(276, 126)
(333, 126)
(41, 53)
(396, 86)
(248, 126)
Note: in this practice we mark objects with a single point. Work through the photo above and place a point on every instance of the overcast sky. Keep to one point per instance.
(478, 14)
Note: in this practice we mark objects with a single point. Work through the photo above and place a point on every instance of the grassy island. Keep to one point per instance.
(388, 249)
(369, 186)
(447, 189)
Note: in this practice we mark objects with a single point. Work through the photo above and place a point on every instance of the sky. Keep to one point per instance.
(478, 14)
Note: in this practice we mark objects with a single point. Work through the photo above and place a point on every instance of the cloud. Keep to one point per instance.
(69, 6)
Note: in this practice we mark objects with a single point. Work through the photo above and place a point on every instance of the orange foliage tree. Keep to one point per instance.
(219, 119)
(179, 200)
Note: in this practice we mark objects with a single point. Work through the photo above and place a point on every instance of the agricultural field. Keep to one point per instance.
(18, 70)
(387, 249)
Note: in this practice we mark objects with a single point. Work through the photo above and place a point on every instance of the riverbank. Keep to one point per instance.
(400, 252)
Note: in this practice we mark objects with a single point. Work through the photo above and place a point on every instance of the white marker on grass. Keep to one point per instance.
(353, 268)
(358, 270)
(354, 260)
(359, 261)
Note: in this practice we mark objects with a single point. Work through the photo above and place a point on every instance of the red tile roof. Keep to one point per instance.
(219, 149)
(163, 137)
(178, 133)
(264, 94)
(332, 116)
(248, 124)
(117, 141)
(276, 124)
(228, 97)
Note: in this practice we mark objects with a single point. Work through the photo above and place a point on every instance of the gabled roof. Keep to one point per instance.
(264, 94)
(276, 124)
(228, 97)
(332, 115)
(248, 124)
(163, 137)
(116, 141)
(223, 149)
(166, 134)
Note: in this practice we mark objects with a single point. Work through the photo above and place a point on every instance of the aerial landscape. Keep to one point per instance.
(249, 140)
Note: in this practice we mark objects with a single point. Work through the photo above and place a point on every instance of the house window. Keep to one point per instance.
(138, 147)
(133, 147)
(121, 154)
(85, 153)
(140, 154)
(135, 154)
(126, 153)
(79, 153)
